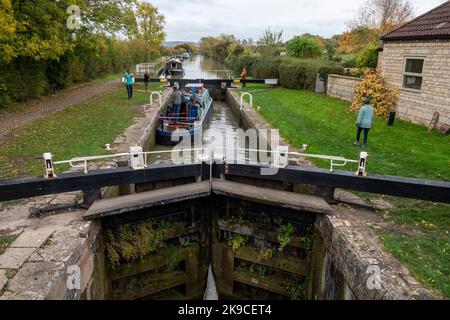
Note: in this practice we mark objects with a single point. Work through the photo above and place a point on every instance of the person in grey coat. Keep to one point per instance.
(176, 101)
(366, 117)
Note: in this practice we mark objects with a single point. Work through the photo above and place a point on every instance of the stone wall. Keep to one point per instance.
(342, 87)
(419, 106)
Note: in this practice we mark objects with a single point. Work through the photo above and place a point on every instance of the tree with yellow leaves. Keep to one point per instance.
(384, 98)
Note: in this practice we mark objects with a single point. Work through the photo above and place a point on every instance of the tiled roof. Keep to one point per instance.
(434, 24)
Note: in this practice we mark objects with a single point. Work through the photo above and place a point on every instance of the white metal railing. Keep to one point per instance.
(159, 97)
(242, 100)
(84, 160)
(200, 156)
(342, 162)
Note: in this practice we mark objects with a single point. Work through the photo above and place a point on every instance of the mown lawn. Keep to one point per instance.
(78, 130)
(420, 233)
(327, 126)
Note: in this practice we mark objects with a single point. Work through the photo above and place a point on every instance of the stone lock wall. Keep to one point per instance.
(419, 106)
(342, 87)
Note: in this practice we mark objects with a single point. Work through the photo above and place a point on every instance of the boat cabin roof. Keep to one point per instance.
(194, 85)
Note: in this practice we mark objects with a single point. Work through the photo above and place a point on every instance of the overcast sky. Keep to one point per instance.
(189, 20)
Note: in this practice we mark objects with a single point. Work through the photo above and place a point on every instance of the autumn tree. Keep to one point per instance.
(383, 15)
(150, 24)
(7, 31)
(270, 42)
(355, 40)
(185, 47)
(207, 44)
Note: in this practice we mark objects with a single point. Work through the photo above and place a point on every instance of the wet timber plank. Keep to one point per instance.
(251, 254)
(284, 199)
(124, 204)
(134, 289)
(268, 283)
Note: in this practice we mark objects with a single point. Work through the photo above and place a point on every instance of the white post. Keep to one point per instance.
(242, 99)
(137, 161)
(362, 164)
(280, 156)
(49, 169)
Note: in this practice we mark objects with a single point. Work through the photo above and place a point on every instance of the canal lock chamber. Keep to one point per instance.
(257, 251)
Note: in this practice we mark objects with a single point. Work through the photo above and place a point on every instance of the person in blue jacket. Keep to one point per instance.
(129, 81)
(364, 122)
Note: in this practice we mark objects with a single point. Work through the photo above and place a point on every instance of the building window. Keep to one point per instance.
(413, 75)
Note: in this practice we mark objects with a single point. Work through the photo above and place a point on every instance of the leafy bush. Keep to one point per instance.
(384, 99)
(267, 67)
(331, 69)
(368, 57)
(298, 74)
(349, 62)
(303, 47)
(243, 61)
(301, 74)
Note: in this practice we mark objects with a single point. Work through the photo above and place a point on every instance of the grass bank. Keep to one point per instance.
(327, 126)
(419, 231)
(81, 129)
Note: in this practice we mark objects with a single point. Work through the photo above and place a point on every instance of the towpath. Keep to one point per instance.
(43, 107)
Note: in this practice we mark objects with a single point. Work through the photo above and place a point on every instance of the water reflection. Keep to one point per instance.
(199, 67)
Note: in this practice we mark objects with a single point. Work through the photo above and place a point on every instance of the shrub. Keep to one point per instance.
(349, 62)
(243, 61)
(301, 74)
(303, 47)
(384, 99)
(331, 69)
(298, 74)
(368, 57)
(267, 67)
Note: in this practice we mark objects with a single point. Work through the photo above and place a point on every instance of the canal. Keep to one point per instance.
(222, 119)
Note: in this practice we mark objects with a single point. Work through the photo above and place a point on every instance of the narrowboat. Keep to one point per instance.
(196, 107)
(186, 56)
(173, 68)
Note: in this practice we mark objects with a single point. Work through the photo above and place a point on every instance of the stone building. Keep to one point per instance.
(415, 58)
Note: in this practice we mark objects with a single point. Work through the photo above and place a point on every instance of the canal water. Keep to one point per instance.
(221, 120)
(200, 67)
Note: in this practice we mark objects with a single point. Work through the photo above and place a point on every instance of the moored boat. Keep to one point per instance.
(173, 68)
(196, 107)
(186, 55)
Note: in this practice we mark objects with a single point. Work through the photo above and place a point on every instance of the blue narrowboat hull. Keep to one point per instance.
(165, 137)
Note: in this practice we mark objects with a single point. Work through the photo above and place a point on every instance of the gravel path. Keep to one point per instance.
(43, 107)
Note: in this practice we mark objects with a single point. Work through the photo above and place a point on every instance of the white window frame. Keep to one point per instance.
(412, 74)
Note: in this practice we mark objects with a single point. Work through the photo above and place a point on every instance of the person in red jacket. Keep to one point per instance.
(244, 78)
